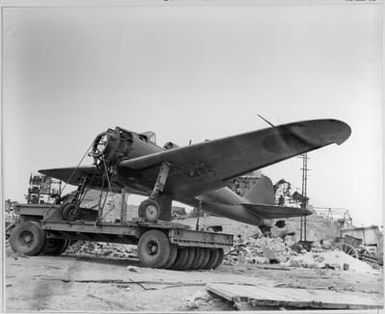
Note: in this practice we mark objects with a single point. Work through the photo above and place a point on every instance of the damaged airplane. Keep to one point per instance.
(196, 174)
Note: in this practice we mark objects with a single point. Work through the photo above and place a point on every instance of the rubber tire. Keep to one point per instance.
(66, 209)
(160, 258)
(204, 258)
(220, 254)
(190, 259)
(38, 238)
(181, 258)
(143, 213)
(54, 246)
(74, 213)
(199, 259)
(207, 255)
(212, 260)
(172, 257)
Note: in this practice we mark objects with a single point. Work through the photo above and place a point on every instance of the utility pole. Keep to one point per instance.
(304, 195)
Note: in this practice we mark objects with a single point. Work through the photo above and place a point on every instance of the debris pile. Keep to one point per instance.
(259, 251)
(277, 251)
(193, 302)
(329, 259)
(102, 249)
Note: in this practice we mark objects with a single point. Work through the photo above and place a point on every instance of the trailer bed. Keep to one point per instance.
(206, 246)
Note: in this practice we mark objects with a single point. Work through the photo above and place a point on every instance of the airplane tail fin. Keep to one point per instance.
(262, 192)
(261, 198)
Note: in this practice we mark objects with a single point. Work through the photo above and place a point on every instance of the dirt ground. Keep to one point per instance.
(94, 283)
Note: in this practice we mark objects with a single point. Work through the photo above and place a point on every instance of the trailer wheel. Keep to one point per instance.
(213, 256)
(207, 255)
(181, 258)
(199, 258)
(191, 257)
(154, 249)
(27, 238)
(149, 210)
(172, 257)
(219, 257)
(55, 246)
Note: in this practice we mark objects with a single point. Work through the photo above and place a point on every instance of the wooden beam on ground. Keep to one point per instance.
(264, 296)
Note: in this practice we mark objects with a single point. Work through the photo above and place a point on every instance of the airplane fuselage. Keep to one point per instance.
(222, 202)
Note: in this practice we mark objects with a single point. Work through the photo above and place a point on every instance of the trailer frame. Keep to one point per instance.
(48, 217)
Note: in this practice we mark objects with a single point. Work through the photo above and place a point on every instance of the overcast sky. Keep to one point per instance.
(197, 73)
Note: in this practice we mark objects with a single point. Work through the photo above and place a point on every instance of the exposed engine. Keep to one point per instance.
(170, 145)
(111, 146)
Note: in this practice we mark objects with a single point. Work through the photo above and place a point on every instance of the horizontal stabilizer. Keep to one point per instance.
(273, 211)
(70, 175)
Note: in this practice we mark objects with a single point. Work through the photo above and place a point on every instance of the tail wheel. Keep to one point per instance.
(348, 249)
(199, 258)
(149, 210)
(172, 257)
(27, 238)
(55, 246)
(219, 257)
(181, 258)
(154, 249)
(191, 257)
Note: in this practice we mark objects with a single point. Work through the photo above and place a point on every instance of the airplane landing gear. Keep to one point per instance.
(150, 209)
(70, 211)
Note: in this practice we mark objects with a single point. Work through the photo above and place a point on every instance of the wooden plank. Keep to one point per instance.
(295, 298)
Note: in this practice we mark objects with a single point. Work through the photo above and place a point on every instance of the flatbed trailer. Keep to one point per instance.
(162, 244)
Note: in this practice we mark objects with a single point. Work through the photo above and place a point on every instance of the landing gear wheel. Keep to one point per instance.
(70, 211)
(199, 258)
(27, 238)
(154, 249)
(348, 249)
(181, 258)
(172, 257)
(191, 257)
(55, 246)
(219, 257)
(149, 210)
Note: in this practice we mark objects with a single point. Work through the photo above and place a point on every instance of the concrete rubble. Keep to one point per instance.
(102, 249)
(261, 250)
(265, 250)
(329, 259)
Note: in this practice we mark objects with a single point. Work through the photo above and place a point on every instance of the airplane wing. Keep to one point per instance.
(70, 175)
(205, 166)
(74, 176)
